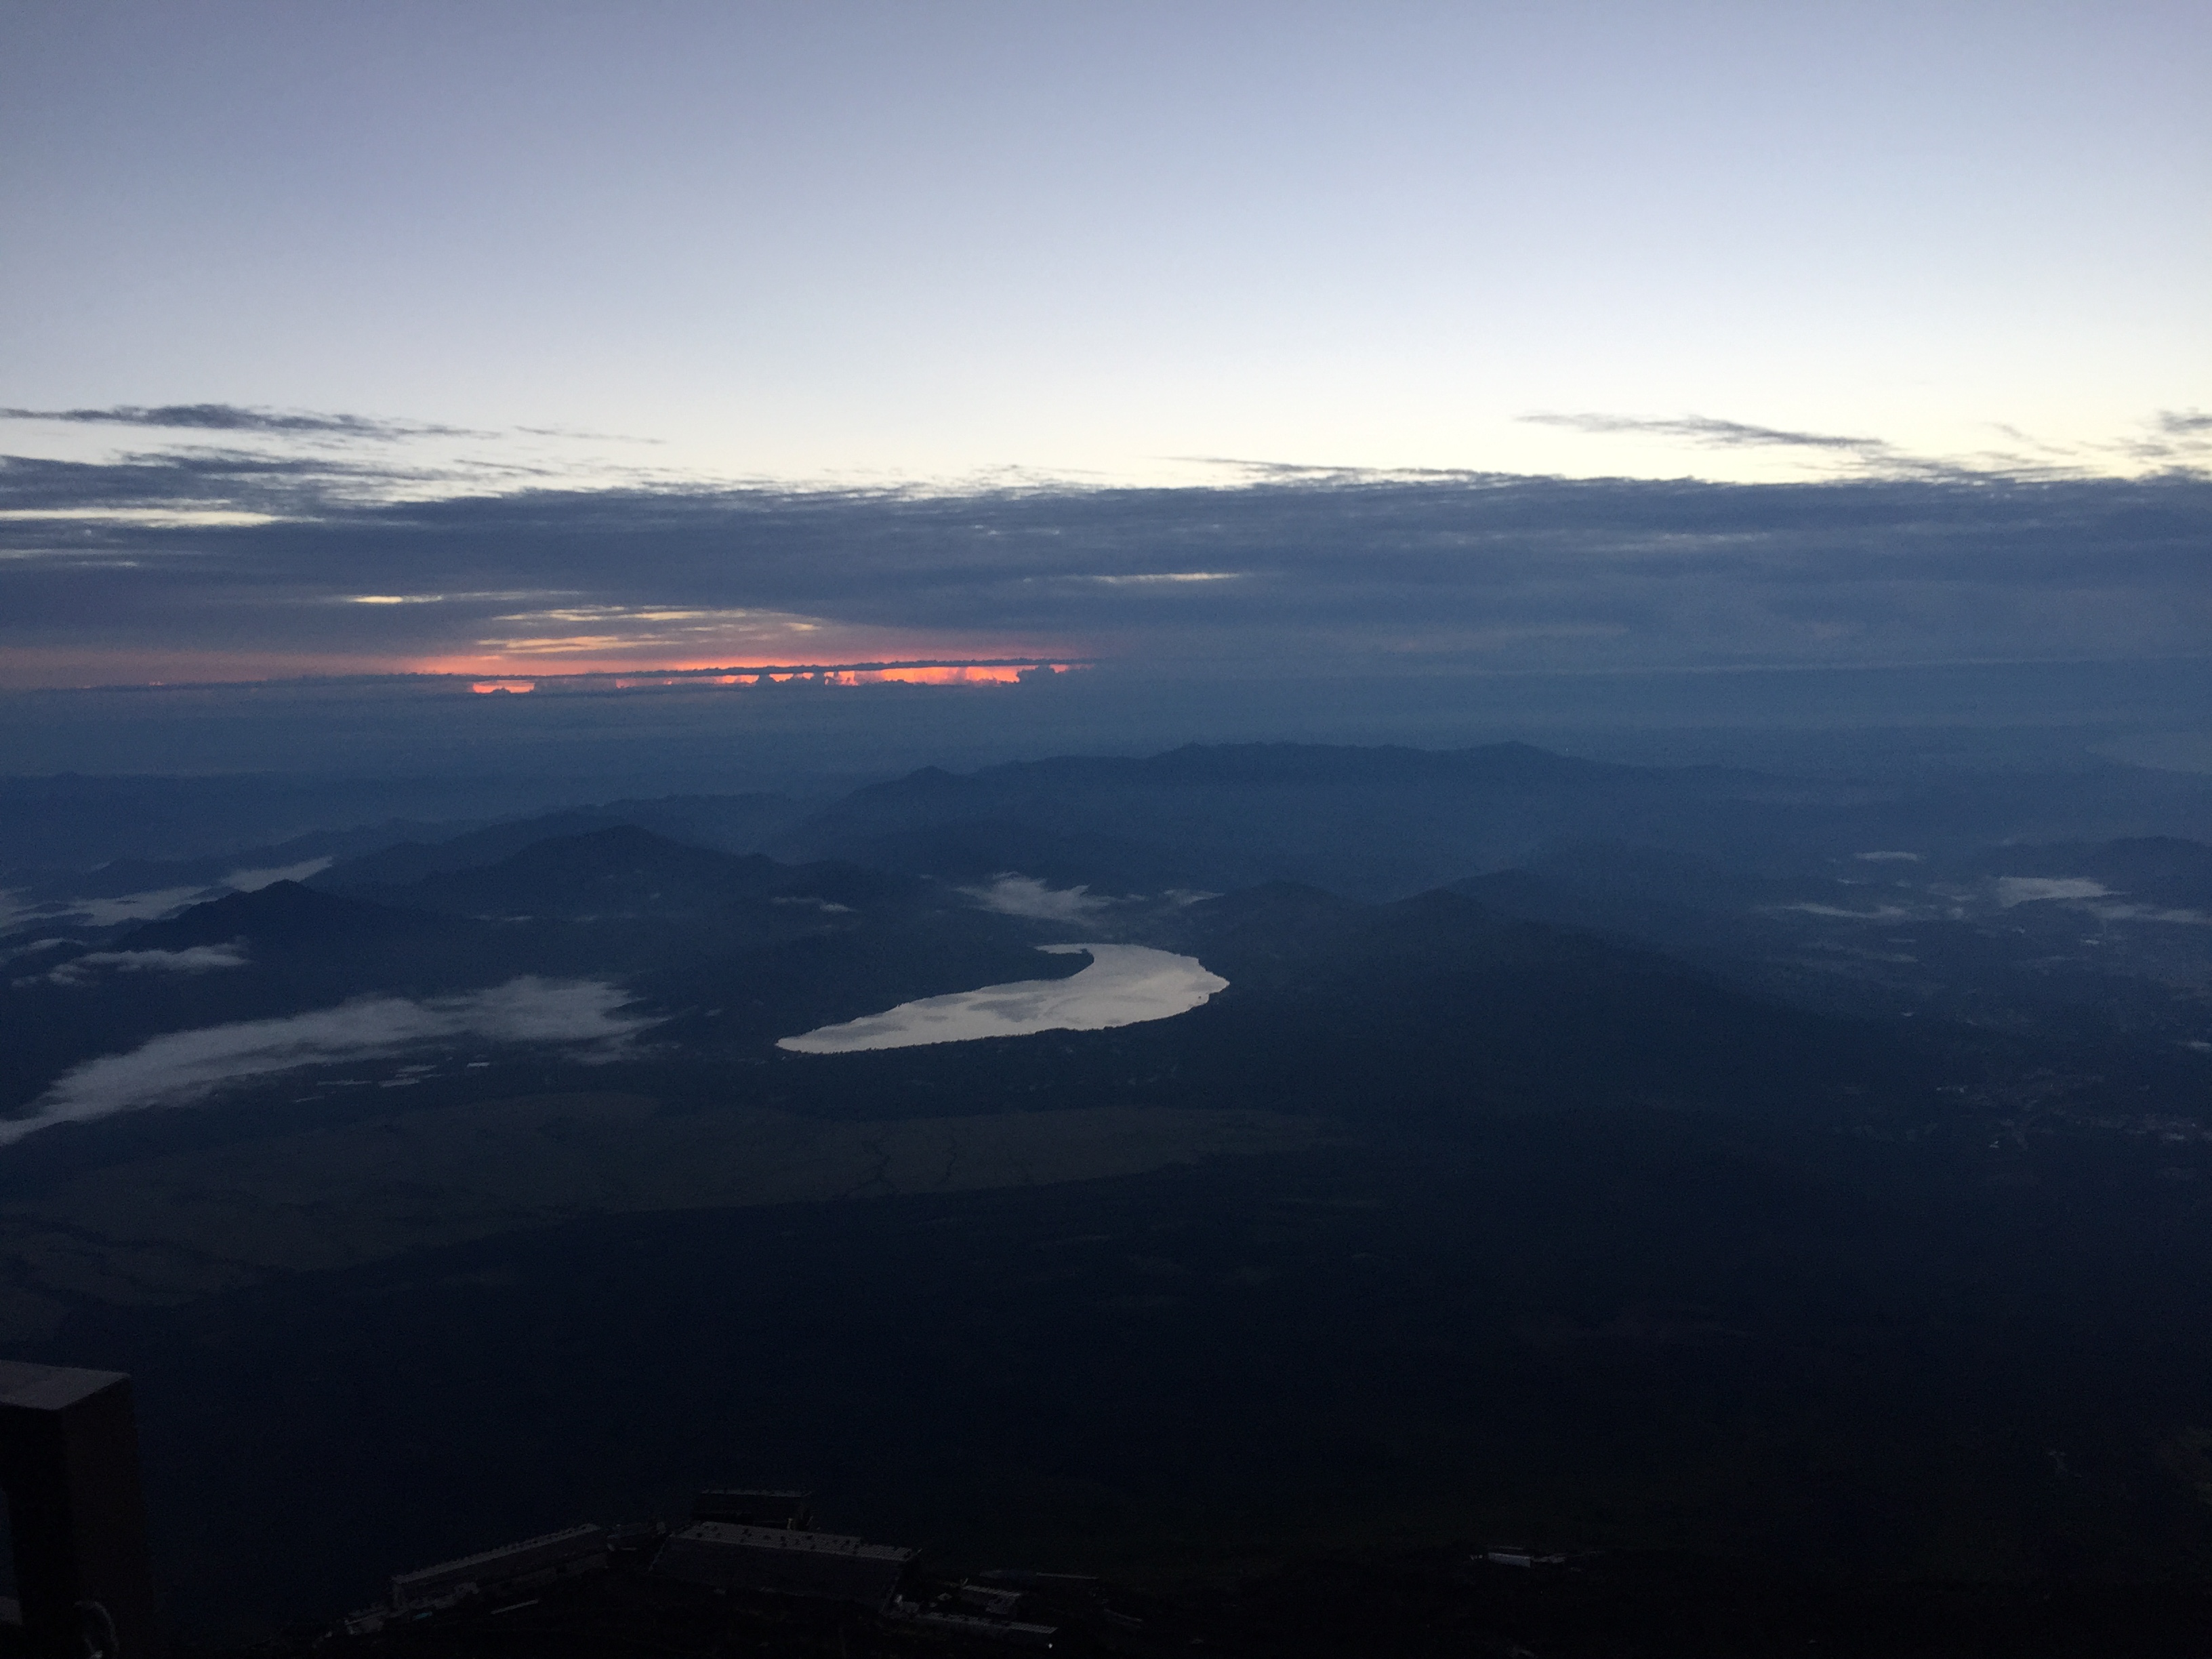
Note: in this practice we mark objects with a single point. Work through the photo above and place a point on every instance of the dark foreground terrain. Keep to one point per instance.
(1626, 1605)
(1791, 1206)
(1789, 1358)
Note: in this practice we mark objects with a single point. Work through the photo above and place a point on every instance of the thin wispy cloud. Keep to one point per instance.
(587, 437)
(2179, 438)
(253, 880)
(1168, 576)
(95, 965)
(233, 417)
(2027, 460)
(1714, 434)
(1011, 895)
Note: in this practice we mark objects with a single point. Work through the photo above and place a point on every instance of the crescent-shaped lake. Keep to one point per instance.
(1124, 985)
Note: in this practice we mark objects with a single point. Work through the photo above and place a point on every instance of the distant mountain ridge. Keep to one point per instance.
(725, 823)
(283, 915)
(1378, 822)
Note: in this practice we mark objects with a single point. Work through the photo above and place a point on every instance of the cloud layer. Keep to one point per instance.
(1299, 573)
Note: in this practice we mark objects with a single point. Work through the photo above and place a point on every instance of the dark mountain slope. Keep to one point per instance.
(285, 917)
(2105, 947)
(976, 849)
(1387, 822)
(412, 861)
(780, 947)
(726, 823)
(1437, 1002)
(620, 872)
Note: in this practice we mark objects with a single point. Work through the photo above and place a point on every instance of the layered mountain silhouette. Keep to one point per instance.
(1577, 1153)
(286, 918)
(725, 822)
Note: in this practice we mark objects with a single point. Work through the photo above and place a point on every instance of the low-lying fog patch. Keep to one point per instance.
(180, 1068)
(252, 881)
(193, 959)
(1124, 985)
(1014, 895)
(153, 904)
(2149, 912)
(1880, 913)
(150, 906)
(2029, 889)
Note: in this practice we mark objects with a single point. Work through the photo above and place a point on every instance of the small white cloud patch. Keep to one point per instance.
(2029, 889)
(1011, 895)
(252, 881)
(2149, 912)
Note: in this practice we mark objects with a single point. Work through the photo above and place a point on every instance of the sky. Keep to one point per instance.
(524, 339)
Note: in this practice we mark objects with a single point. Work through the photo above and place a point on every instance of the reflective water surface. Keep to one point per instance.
(1124, 985)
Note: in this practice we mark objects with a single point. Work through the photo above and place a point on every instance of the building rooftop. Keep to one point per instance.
(578, 1540)
(50, 1387)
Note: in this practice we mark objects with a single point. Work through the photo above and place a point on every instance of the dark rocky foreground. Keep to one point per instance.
(1283, 1402)
(1439, 1601)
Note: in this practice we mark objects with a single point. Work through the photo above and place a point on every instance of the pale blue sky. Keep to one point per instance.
(805, 241)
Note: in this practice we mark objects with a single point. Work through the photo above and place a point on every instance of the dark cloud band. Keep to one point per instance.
(231, 417)
(1289, 576)
(1726, 434)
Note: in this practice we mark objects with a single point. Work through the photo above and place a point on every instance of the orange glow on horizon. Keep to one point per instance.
(998, 674)
(840, 650)
(33, 668)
